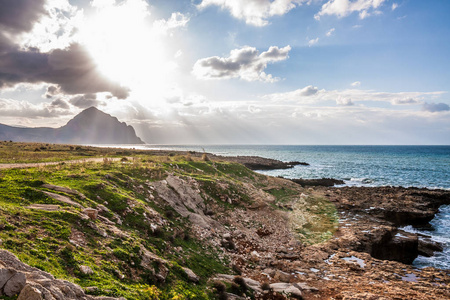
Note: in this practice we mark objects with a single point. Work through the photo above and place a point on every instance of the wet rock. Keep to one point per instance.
(427, 247)
(403, 247)
(327, 182)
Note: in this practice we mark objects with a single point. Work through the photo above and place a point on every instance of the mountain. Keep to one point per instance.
(91, 126)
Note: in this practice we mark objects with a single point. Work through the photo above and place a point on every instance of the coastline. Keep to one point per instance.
(312, 242)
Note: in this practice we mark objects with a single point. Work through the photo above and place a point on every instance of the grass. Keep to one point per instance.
(59, 242)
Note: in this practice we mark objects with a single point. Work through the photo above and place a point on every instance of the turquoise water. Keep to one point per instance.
(418, 166)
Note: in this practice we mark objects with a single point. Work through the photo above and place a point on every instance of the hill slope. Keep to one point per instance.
(91, 126)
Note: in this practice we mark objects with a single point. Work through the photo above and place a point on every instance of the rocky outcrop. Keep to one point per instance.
(318, 182)
(374, 216)
(260, 163)
(18, 278)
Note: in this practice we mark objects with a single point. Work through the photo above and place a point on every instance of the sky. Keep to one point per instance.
(320, 72)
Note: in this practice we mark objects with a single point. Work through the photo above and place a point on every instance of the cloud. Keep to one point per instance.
(313, 42)
(321, 96)
(341, 101)
(72, 69)
(330, 32)
(23, 109)
(356, 83)
(176, 20)
(435, 107)
(403, 101)
(60, 103)
(85, 101)
(18, 16)
(245, 63)
(394, 6)
(343, 8)
(254, 12)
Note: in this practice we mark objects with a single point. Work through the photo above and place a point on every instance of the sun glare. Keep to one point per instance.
(127, 49)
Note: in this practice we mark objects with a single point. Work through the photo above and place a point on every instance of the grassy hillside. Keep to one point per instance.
(138, 245)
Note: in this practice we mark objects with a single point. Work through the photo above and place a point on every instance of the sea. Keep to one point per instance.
(407, 166)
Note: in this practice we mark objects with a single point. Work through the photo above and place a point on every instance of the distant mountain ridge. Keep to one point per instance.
(91, 126)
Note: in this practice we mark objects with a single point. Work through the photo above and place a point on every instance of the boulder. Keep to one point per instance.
(282, 276)
(191, 275)
(86, 270)
(91, 213)
(286, 289)
(5, 275)
(15, 284)
(30, 293)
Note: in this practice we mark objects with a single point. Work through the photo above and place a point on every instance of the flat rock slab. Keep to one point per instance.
(62, 199)
(46, 207)
(63, 190)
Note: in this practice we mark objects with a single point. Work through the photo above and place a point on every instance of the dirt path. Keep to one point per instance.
(34, 165)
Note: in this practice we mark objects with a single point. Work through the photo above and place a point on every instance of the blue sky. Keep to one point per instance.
(234, 72)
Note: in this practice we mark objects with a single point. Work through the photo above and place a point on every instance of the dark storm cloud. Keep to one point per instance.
(85, 101)
(19, 15)
(71, 69)
(435, 107)
(60, 103)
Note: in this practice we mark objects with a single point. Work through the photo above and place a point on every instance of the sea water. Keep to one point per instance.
(407, 166)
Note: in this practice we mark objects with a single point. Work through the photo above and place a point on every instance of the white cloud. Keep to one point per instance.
(344, 101)
(343, 8)
(394, 6)
(330, 32)
(321, 96)
(176, 20)
(245, 63)
(254, 12)
(313, 42)
(56, 29)
(24, 109)
(356, 83)
(404, 101)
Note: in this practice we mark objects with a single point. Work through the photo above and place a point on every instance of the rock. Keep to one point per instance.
(15, 284)
(318, 182)
(304, 287)
(86, 270)
(91, 213)
(286, 289)
(254, 256)
(282, 276)
(427, 247)
(63, 189)
(30, 293)
(191, 275)
(5, 275)
(403, 247)
(63, 199)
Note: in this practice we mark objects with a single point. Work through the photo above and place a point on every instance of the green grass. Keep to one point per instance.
(42, 238)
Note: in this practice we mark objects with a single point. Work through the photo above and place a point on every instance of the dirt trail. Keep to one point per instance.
(34, 165)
